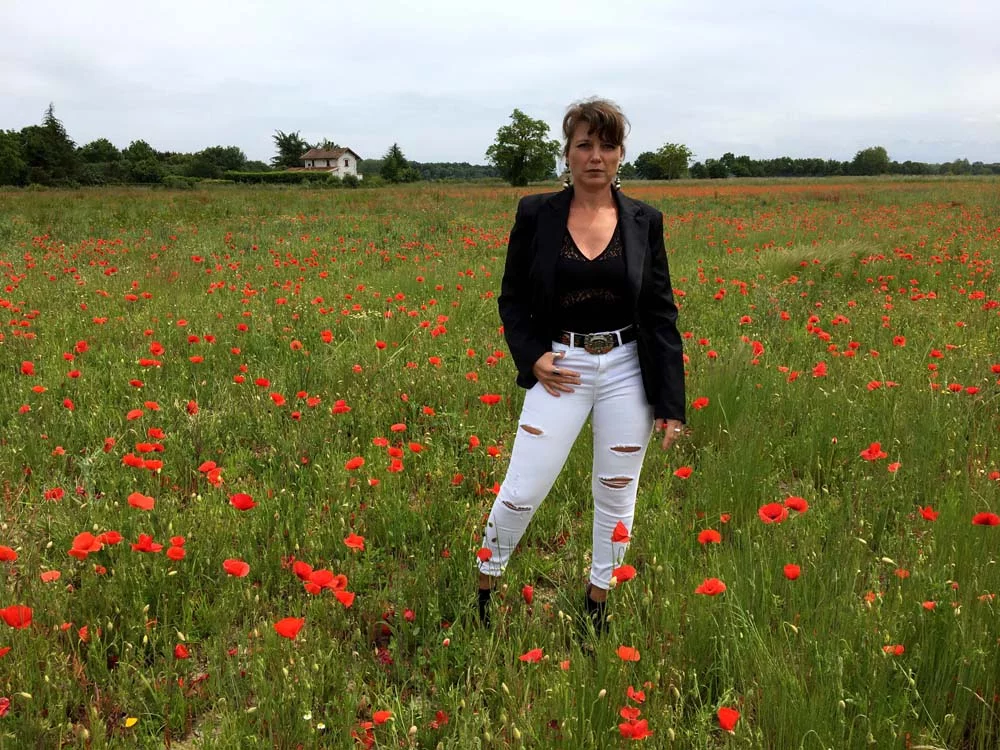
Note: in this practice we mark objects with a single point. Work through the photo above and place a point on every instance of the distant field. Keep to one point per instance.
(285, 389)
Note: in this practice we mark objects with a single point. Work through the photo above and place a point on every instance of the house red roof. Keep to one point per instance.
(316, 153)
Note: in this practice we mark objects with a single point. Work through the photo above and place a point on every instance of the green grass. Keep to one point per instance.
(260, 275)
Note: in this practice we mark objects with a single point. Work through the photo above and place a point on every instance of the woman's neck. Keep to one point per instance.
(593, 201)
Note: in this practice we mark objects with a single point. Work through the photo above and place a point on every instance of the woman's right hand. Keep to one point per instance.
(553, 377)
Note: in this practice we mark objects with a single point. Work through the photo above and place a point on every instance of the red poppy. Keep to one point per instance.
(242, 501)
(7, 554)
(50, 575)
(17, 616)
(354, 463)
(928, 513)
(727, 718)
(620, 533)
(109, 537)
(895, 649)
(289, 627)
(623, 573)
(146, 544)
(710, 587)
(635, 730)
(484, 554)
(534, 656)
(134, 414)
(181, 652)
(56, 493)
(528, 593)
(873, 452)
(84, 544)
(381, 717)
(639, 696)
(355, 542)
(627, 653)
(490, 398)
(772, 513)
(683, 472)
(345, 597)
(986, 519)
(236, 568)
(709, 536)
(797, 504)
(176, 553)
(792, 571)
(699, 403)
(140, 501)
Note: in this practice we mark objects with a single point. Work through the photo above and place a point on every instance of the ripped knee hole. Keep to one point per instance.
(615, 483)
(625, 449)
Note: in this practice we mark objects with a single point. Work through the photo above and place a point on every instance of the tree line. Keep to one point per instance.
(521, 153)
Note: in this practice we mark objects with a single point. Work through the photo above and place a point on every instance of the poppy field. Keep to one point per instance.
(250, 437)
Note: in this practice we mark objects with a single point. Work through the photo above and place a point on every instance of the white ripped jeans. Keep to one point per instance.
(611, 389)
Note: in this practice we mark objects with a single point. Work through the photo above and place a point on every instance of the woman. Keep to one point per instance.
(589, 316)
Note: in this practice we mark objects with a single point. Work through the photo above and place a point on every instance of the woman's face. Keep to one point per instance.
(592, 162)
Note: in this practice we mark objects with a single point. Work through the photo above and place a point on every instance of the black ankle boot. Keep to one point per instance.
(484, 607)
(597, 613)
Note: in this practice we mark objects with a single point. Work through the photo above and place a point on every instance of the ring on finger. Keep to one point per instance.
(677, 429)
(557, 371)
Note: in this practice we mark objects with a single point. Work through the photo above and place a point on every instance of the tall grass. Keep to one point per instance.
(303, 287)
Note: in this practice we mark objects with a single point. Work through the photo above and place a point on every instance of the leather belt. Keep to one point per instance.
(598, 343)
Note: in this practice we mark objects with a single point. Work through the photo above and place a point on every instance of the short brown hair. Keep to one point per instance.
(602, 116)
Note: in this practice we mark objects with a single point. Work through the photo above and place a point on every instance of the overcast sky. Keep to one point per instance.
(765, 78)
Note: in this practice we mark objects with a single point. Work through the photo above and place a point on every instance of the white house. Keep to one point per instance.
(338, 161)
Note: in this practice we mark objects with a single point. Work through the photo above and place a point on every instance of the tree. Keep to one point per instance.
(142, 163)
(325, 145)
(290, 149)
(49, 153)
(628, 171)
(648, 166)
(395, 168)
(100, 151)
(213, 161)
(521, 152)
(669, 162)
(673, 159)
(871, 161)
(13, 167)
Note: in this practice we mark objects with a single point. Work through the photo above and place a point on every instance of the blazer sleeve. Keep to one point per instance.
(659, 315)
(515, 301)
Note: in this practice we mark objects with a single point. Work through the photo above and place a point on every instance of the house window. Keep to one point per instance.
(347, 162)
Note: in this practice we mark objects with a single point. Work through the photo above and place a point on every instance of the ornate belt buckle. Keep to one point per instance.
(599, 343)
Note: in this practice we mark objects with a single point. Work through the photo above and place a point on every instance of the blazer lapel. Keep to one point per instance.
(635, 232)
(552, 220)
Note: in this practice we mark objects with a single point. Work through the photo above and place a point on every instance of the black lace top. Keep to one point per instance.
(593, 294)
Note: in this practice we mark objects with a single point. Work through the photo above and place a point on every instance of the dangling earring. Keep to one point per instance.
(617, 184)
(567, 181)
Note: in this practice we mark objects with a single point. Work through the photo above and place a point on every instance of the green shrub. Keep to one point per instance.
(178, 182)
(276, 178)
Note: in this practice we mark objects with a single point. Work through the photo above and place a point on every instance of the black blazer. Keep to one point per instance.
(527, 293)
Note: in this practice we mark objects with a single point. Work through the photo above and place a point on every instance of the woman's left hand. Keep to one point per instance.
(671, 428)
